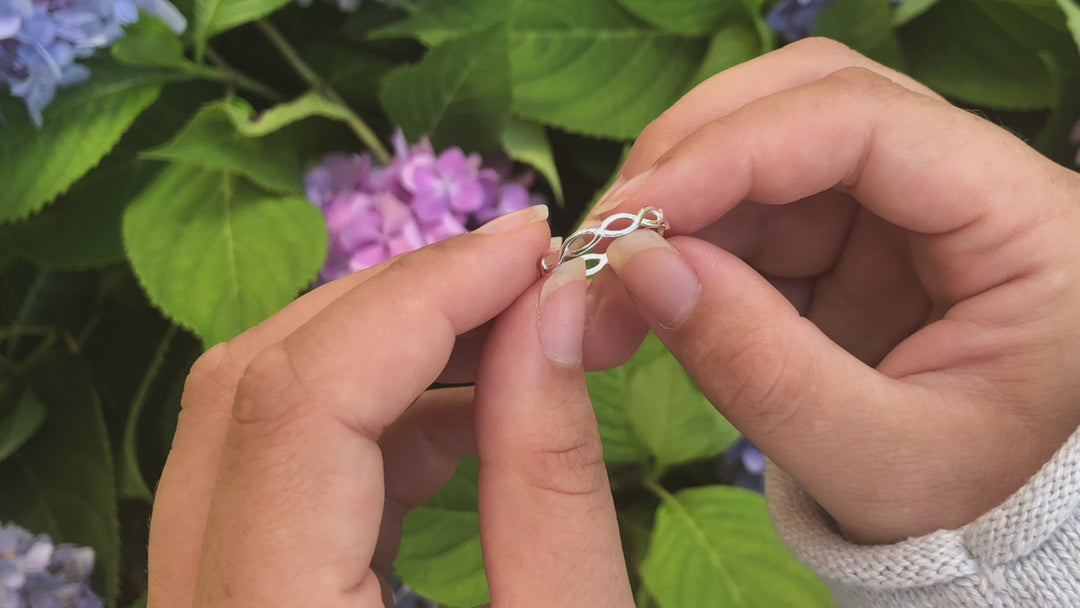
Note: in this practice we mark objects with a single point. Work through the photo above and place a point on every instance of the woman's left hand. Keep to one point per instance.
(303, 442)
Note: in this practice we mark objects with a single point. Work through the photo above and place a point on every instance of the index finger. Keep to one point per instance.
(794, 65)
(914, 161)
(301, 478)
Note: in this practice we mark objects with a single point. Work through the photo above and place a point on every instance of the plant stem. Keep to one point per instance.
(355, 123)
(29, 301)
(224, 73)
(658, 490)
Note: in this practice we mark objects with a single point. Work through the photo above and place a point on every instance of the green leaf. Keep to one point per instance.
(149, 42)
(527, 142)
(353, 71)
(139, 603)
(201, 243)
(715, 546)
(80, 127)
(62, 479)
(440, 554)
(82, 230)
(591, 68)
(909, 9)
(215, 16)
(686, 17)
(865, 26)
(984, 62)
(1072, 18)
(436, 21)
(19, 422)
(736, 42)
(459, 94)
(650, 409)
(228, 135)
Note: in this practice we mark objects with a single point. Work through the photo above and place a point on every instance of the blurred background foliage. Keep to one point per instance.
(160, 208)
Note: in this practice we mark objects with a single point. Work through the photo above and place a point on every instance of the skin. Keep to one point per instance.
(887, 303)
(889, 297)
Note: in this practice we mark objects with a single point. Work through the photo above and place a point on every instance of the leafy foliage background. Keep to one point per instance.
(160, 210)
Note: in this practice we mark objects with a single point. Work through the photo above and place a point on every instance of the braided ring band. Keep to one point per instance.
(581, 243)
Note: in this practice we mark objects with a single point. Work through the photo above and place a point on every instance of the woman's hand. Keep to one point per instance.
(884, 291)
(303, 442)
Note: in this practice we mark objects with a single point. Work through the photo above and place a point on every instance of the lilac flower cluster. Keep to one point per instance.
(34, 573)
(40, 40)
(375, 213)
(744, 466)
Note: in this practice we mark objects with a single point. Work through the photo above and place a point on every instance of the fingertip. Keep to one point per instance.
(562, 313)
(614, 329)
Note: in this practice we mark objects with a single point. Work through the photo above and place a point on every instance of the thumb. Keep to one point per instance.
(797, 395)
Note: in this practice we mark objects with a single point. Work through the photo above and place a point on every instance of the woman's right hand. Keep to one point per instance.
(883, 292)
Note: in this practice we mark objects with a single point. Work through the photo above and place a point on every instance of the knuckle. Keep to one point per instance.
(269, 389)
(656, 139)
(213, 372)
(572, 466)
(860, 80)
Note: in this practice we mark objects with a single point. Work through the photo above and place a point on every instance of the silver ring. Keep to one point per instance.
(581, 243)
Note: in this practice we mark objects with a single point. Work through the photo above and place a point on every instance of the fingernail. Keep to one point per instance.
(515, 220)
(562, 312)
(620, 192)
(556, 242)
(656, 275)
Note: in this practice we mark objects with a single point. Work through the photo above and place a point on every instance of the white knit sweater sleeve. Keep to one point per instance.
(1023, 553)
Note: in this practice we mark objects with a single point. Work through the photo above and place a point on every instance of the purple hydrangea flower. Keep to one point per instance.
(34, 573)
(794, 19)
(744, 463)
(40, 41)
(374, 213)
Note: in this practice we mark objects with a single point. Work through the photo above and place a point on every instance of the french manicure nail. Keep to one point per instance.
(656, 275)
(515, 220)
(620, 192)
(562, 312)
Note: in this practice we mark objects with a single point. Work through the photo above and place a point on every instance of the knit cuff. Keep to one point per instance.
(972, 559)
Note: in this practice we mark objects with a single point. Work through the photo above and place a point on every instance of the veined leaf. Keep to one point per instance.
(737, 41)
(149, 42)
(63, 477)
(217, 254)
(686, 17)
(650, 409)
(459, 94)
(574, 65)
(434, 22)
(83, 229)
(983, 62)
(215, 16)
(866, 27)
(910, 9)
(19, 422)
(440, 554)
(228, 135)
(1072, 18)
(527, 142)
(715, 546)
(80, 127)
(591, 68)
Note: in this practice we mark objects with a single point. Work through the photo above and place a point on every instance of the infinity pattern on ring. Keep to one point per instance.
(581, 243)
